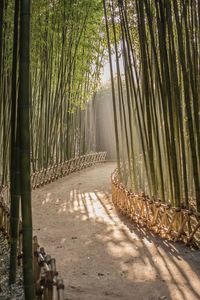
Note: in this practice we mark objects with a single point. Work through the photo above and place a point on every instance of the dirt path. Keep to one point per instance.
(102, 255)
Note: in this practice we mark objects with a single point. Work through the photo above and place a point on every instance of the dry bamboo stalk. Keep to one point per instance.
(181, 229)
(36, 265)
(48, 286)
(55, 274)
(60, 289)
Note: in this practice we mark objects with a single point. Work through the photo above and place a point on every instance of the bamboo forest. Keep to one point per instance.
(99, 149)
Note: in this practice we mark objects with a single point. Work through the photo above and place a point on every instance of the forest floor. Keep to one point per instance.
(102, 255)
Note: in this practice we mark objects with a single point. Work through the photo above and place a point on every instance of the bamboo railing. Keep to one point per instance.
(56, 171)
(48, 285)
(169, 222)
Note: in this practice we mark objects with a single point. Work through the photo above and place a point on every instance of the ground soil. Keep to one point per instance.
(103, 255)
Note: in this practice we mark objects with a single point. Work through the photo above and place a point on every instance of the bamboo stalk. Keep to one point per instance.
(23, 119)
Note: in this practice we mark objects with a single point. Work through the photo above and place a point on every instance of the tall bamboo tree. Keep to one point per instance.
(14, 160)
(24, 127)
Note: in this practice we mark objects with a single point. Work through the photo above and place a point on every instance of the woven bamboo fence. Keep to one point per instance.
(56, 171)
(177, 224)
(48, 284)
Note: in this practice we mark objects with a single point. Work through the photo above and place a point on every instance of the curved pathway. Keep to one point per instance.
(102, 255)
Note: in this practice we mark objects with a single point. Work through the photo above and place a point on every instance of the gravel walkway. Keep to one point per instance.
(15, 292)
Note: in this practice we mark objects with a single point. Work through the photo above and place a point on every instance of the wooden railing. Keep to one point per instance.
(48, 285)
(165, 220)
(56, 171)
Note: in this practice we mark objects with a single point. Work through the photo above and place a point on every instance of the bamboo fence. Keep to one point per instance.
(56, 171)
(177, 224)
